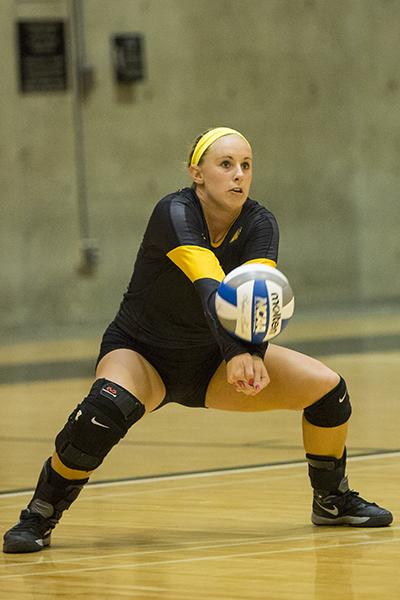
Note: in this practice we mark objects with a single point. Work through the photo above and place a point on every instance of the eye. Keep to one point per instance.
(226, 164)
(245, 165)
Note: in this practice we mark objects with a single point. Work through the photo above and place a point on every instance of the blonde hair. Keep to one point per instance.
(206, 139)
(193, 147)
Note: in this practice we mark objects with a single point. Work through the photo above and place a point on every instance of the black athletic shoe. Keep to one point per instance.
(31, 534)
(53, 495)
(348, 508)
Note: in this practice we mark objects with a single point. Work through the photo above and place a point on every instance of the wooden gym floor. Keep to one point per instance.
(197, 504)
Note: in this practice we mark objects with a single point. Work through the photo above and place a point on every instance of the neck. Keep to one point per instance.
(218, 218)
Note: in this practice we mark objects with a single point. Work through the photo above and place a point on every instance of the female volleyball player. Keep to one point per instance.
(166, 345)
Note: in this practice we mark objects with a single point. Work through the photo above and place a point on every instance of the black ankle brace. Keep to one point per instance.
(54, 493)
(326, 472)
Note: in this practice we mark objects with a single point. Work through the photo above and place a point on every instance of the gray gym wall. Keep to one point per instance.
(314, 84)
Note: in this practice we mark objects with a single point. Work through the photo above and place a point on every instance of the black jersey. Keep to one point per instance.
(170, 298)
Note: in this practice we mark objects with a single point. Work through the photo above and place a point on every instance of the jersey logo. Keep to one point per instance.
(236, 235)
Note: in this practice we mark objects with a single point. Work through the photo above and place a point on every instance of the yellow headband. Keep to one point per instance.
(209, 138)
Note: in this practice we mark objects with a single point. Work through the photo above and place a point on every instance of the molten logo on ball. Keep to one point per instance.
(276, 313)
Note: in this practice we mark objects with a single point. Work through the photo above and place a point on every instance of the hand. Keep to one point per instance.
(247, 374)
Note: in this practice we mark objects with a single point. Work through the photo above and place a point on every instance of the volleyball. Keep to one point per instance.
(254, 302)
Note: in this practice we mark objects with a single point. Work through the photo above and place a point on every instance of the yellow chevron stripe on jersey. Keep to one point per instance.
(196, 262)
(263, 261)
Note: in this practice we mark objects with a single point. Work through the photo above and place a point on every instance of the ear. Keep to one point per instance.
(196, 174)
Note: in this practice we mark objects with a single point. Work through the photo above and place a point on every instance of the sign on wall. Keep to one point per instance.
(42, 55)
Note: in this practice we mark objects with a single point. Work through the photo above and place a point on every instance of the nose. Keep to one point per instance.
(239, 173)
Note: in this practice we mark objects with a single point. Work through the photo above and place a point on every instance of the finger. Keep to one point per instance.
(244, 388)
(247, 389)
(257, 375)
(236, 375)
(239, 382)
(265, 379)
(238, 385)
(261, 377)
(248, 368)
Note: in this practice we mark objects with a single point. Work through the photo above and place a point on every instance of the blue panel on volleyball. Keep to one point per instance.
(228, 293)
(260, 312)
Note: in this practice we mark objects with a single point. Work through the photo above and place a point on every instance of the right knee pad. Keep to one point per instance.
(96, 425)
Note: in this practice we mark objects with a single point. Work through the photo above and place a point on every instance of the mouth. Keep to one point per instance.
(237, 190)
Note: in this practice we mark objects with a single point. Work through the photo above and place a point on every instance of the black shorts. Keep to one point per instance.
(185, 372)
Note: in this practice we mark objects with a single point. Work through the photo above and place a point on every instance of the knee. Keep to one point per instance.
(96, 425)
(333, 409)
(327, 380)
(318, 381)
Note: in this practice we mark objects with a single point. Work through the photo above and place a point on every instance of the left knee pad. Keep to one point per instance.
(331, 410)
(96, 425)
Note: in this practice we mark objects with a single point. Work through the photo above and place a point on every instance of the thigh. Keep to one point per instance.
(132, 371)
(297, 381)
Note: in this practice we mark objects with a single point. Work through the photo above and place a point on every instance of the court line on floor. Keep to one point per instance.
(161, 490)
(209, 473)
(314, 548)
(164, 489)
(206, 545)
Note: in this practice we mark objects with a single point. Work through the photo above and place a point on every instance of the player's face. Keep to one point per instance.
(225, 173)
